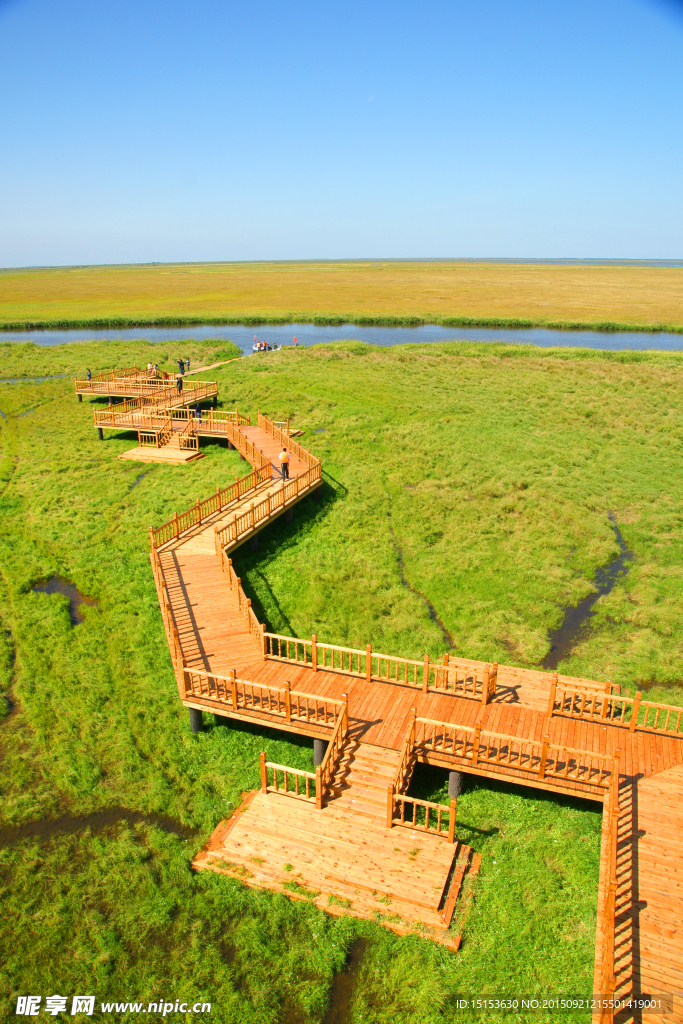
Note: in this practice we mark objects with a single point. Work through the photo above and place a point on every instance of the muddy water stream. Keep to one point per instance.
(98, 822)
(57, 585)
(344, 986)
(575, 624)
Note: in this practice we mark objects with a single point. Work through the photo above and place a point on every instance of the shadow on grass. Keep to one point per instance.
(273, 539)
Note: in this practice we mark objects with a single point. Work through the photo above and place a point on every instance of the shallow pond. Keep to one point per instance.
(57, 585)
(310, 334)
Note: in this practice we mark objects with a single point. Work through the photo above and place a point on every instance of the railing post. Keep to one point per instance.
(475, 743)
(264, 773)
(314, 652)
(175, 524)
(251, 514)
(368, 663)
(635, 709)
(413, 727)
(551, 699)
(319, 788)
(218, 494)
(494, 679)
(544, 757)
(233, 690)
(288, 701)
(617, 768)
(390, 806)
(485, 686)
(198, 506)
(451, 821)
(263, 640)
(425, 674)
(345, 712)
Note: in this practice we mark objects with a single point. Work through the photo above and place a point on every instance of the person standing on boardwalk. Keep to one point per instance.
(187, 364)
(181, 366)
(284, 463)
(88, 374)
(198, 412)
(179, 383)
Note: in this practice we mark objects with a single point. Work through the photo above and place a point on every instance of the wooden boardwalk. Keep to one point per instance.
(379, 715)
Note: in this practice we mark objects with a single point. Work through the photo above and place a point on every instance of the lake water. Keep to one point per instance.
(310, 334)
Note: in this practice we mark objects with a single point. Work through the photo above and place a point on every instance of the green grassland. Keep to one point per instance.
(487, 473)
(606, 297)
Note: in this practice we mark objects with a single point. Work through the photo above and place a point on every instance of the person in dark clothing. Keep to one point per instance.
(187, 364)
(284, 463)
(88, 374)
(198, 412)
(181, 366)
(179, 382)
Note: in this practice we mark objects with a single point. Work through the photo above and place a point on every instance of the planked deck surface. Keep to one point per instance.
(341, 855)
(333, 850)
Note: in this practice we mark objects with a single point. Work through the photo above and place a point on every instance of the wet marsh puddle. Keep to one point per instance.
(575, 624)
(58, 585)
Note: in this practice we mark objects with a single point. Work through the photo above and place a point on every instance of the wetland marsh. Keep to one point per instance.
(493, 471)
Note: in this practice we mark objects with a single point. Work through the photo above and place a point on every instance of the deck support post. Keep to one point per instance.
(318, 493)
(254, 542)
(100, 433)
(455, 784)
(289, 515)
(319, 751)
(80, 398)
(196, 723)
(215, 401)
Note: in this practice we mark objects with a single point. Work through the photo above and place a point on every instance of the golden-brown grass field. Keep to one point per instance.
(566, 295)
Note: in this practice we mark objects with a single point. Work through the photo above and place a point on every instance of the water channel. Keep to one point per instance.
(312, 334)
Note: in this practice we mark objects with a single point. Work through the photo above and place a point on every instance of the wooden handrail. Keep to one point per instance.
(325, 770)
(568, 699)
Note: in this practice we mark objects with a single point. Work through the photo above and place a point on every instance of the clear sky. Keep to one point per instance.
(141, 130)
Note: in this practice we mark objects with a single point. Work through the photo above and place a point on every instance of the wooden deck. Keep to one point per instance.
(495, 721)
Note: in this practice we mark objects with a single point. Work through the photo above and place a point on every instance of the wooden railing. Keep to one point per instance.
(290, 786)
(325, 771)
(107, 375)
(607, 911)
(462, 679)
(245, 522)
(297, 450)
(470, 746)
(421, 809)
(222, 499)
(244, 695)
(633, 713)
(187, 439)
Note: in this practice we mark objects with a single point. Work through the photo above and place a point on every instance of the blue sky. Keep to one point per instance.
(147, 131)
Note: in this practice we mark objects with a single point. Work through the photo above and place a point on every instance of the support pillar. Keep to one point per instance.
(318, 493)
(289, 515)
(215, 401)
(455, 784)
(80, 398)
(196, 724)
(100, 433)
(254, 542)
(319, 751)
